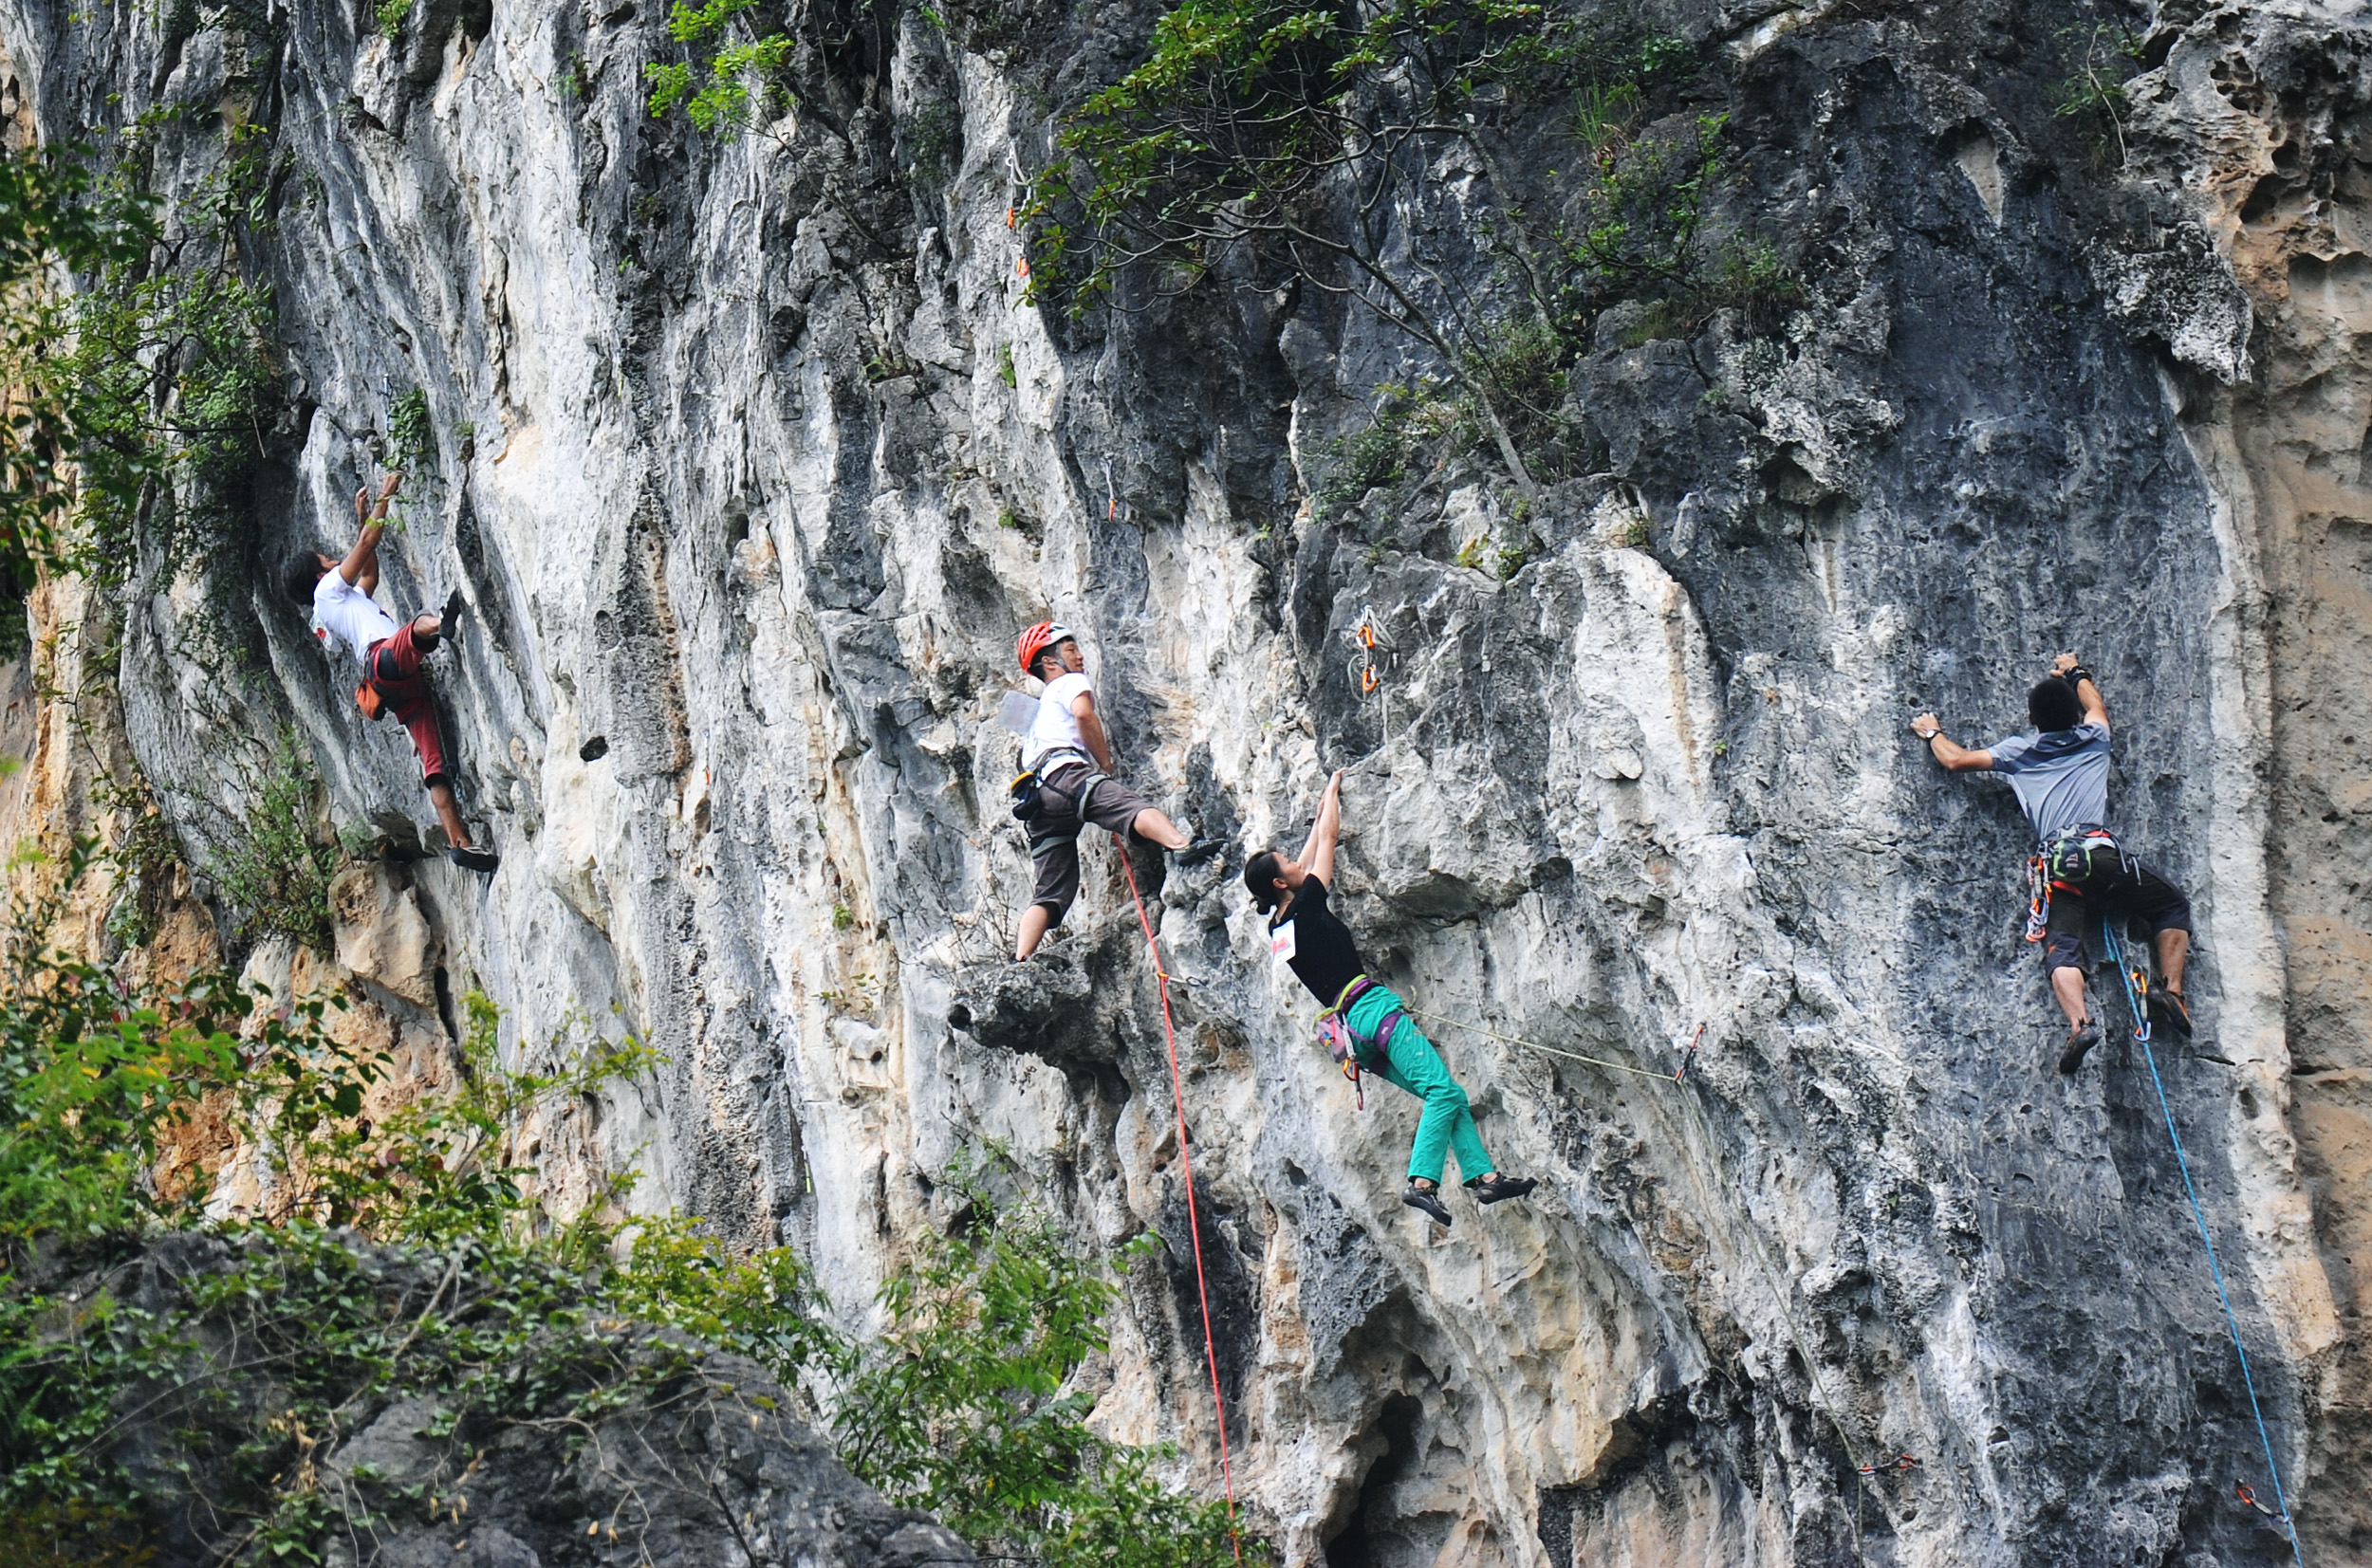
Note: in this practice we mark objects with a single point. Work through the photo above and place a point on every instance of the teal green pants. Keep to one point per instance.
(1447, 1123)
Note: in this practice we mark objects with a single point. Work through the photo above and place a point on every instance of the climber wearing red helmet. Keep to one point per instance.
(1066, 759)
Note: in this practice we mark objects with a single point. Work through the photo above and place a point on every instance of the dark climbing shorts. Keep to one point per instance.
(394, 666)
(2132, 891)
(1054, 836)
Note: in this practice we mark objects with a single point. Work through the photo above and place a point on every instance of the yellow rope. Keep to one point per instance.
(1551, 1050)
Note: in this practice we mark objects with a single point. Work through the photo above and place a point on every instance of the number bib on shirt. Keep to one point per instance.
(1281, 945)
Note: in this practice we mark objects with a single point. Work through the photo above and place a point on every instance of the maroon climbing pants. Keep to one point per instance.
(393, 667)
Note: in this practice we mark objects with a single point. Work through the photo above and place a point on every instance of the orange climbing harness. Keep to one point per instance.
(1186, 1165)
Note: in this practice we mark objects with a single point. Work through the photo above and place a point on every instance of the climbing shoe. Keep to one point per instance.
(2169, 1008)
(1428, 1199)
(1197, 852)
(477, 859)
(2079, 1040)
(450, 617)
(1495, 1188)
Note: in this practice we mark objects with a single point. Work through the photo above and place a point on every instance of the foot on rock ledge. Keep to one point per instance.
(1499, 1188)
(2079, 1040)
(1426, 1199)
(2169, 1008)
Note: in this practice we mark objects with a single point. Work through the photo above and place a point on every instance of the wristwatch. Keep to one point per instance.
(1929, 734)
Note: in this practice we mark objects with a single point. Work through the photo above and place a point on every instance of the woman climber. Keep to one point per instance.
(1380, 1036)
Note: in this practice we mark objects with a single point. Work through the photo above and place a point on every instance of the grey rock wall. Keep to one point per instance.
(747, 514)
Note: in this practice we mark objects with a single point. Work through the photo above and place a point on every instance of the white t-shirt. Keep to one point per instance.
(1056, 726)
(350, 615)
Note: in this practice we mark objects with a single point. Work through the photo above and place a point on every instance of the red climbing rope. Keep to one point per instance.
(1186, 1163)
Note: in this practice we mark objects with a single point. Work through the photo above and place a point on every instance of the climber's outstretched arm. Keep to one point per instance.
(1317, 855)
(360, 566)
(2069, 668)
(1956, 758)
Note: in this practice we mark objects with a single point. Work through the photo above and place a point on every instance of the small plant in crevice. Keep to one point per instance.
(276, 873)
(411, 434)
(391, 16)
(1004, 371)
(146, 855)
(933, 137)
(2102, 58)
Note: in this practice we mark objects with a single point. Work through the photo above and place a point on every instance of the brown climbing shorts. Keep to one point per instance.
(2135, 891)
(1054, 839)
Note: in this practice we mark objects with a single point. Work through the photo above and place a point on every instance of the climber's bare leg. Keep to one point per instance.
(449, 813)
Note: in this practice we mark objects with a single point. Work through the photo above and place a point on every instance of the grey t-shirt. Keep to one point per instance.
(2061, 776)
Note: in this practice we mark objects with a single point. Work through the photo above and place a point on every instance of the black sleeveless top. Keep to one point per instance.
(1324, 954)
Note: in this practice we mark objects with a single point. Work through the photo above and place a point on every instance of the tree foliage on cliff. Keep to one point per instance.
(174, 374)
(395, 1246)
(55, 219)
(1277, 144)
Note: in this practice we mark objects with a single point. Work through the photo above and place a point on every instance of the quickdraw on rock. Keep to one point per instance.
(2248, 1496)
(1888, 1467)
(1688, 1056)
(1367, 667)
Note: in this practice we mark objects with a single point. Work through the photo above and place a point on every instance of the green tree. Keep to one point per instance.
(400, 1247)
(958, 1407)
(56, 220)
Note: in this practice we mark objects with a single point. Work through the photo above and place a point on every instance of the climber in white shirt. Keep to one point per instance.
(1072, 764)
(339, 593)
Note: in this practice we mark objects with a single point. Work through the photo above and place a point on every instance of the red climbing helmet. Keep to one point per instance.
(1036, 641)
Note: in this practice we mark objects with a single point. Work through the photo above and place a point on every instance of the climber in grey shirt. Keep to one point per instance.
(2060, 775)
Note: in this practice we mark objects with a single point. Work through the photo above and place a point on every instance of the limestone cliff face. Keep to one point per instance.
(752, 458)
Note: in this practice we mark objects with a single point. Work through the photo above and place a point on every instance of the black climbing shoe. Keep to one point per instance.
(477, 859)
(450, 617)
(1197, 852)
(2080, 1039)
(1428, 1199)
(1499, 1189)
(2169, 1008)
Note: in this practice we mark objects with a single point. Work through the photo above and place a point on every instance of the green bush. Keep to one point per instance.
(52, 213)
(2093, 92)
(712, 85)
(277, 875)
(958, 1407)
(172, 381)
(410, 436)
(405, 1251)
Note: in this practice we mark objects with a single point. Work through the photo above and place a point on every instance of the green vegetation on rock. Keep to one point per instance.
(387, 1247)
(277, 873)
(1287, 144)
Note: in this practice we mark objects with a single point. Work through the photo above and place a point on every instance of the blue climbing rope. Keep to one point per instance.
(2134, 999)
